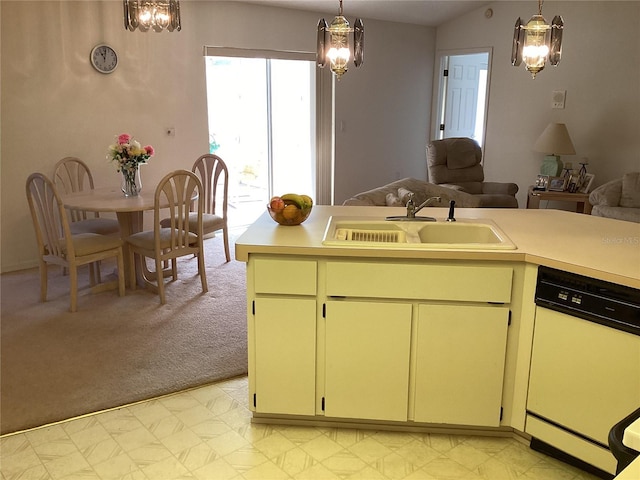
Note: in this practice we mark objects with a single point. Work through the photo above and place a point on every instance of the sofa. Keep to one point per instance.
(456, 163)
(395, 194)
(619, 199)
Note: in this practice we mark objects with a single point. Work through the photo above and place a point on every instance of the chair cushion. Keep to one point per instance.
(210, 222)
(461, 153)
(618, 213)
(630, 196)
(88, 243)
(145, 239)
(102, 226)
(496, 200)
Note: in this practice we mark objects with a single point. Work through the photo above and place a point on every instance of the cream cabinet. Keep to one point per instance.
(460, 357)
(282, 336)
(399, 341)
(367, 360)
(285, 370)
(452, 318)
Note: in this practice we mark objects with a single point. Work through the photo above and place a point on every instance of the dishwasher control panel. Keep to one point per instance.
(602, 302)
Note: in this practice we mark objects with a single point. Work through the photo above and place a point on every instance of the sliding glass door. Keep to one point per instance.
(262, 124)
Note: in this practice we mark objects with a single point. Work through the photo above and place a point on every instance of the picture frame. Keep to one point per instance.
(557, 184)
(585, 186)
(542, 183)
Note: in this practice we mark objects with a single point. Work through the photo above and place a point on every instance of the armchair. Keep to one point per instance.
(455, 163)
(619, 198)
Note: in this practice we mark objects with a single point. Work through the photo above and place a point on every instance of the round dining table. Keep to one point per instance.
(129, 211)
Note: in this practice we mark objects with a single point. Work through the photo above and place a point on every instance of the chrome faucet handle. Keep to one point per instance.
(411, 206)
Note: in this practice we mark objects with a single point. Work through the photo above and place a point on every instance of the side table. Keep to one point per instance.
(581, 199)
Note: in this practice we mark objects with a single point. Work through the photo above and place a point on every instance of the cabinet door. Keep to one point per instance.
(367, 360)
(460, 355)
(285, 355)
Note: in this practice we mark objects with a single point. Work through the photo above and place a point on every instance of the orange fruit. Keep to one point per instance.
(290, 212)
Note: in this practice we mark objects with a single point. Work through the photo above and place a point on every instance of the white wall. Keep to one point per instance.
(382, 120)
(55, 105)
(600, 70)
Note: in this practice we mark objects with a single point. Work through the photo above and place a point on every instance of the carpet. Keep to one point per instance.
(56, 365)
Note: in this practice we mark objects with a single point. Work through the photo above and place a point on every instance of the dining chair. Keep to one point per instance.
(165, 244)
(73, 175)
(214, 175)
(58, 246)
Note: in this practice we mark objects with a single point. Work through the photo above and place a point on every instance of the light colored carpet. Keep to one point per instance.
(115, 350)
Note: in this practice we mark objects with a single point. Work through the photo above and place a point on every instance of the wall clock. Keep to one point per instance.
(104, 58)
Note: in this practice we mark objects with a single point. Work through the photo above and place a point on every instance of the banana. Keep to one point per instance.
(307, 200)
(303, 202)
(294, 198)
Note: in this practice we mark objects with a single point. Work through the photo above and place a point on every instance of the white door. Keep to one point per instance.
(463, 90)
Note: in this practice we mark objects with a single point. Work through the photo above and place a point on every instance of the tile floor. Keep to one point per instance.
(207, 434)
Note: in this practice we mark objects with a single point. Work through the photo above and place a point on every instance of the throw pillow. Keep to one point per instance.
(393, 201)
(630, 196)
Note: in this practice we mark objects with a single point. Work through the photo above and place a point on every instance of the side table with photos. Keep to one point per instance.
(581, 199)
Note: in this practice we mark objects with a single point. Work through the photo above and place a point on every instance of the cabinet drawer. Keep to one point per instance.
(292, 277)
(415, 281)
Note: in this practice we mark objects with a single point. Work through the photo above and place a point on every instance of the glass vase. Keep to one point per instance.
(131, 182)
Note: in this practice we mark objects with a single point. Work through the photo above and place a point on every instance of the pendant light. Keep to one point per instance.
(157, 15)
(333, 43)
(537, 42)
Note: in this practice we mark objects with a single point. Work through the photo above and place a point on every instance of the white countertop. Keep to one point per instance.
(596, 247)
(631, 437)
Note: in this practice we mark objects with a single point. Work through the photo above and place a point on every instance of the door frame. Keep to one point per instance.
(440, 84)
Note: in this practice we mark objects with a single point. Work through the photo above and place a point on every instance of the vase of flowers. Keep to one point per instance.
(128, 155)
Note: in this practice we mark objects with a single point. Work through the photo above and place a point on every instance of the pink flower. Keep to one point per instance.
(124, 138)
(150, 151)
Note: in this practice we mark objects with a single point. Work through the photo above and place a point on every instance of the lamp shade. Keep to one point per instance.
(555, 140)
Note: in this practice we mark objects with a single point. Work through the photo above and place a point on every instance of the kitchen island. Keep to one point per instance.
(414, 338)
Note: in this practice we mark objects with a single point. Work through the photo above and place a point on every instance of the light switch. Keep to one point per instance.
(558, 98)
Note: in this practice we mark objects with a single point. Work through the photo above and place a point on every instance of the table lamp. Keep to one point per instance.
(554, 141)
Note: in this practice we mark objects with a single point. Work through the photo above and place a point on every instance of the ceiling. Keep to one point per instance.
(430, 13)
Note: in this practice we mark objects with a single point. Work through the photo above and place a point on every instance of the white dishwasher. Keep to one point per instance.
(585, 367)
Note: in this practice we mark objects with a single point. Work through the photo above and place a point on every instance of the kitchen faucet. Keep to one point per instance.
(411, 205)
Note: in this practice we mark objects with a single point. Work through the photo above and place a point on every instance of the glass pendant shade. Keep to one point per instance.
(537, 42)
(339, 53)
(157, 15)
(333, 43)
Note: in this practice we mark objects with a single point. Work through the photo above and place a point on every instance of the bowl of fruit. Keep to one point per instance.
(290, 209)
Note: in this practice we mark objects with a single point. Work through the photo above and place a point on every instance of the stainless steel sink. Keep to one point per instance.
(462, 234)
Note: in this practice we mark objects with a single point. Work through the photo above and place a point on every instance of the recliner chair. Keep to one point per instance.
(455, 163)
